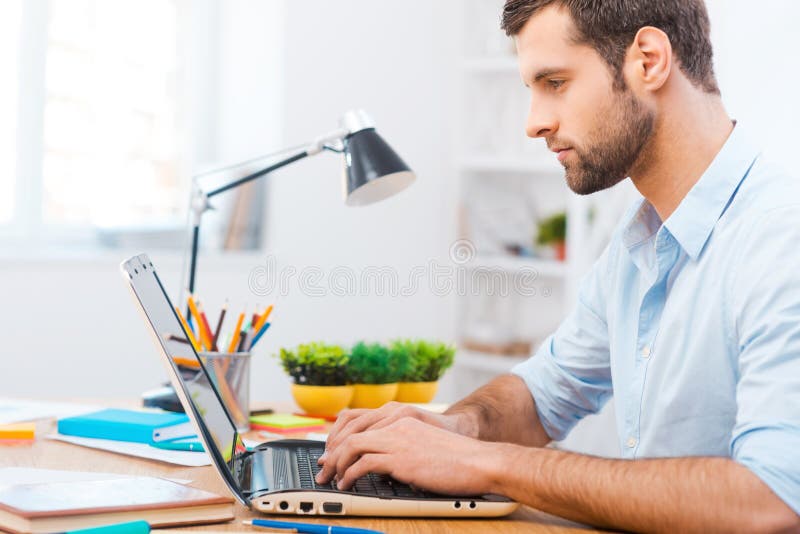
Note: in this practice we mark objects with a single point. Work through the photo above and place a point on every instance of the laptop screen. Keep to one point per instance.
(209, 411)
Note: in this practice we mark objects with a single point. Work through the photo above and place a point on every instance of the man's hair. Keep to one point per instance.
(609, 26)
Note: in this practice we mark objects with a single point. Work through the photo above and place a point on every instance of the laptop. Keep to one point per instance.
(277, 477)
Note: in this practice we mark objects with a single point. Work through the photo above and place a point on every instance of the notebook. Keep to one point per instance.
(128, 425)
(65, 506)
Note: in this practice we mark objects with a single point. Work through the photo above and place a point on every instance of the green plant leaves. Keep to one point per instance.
(403, 360)
(316, 364)
(428, 360)
(552, 230)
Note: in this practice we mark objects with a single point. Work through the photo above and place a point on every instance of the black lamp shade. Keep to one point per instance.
(373, 171)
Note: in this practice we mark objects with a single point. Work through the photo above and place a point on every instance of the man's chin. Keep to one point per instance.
(584, 185)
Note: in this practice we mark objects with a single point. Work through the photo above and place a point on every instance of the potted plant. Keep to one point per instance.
(319, 373)
(374, 372)
(428, 360)
(553, 232)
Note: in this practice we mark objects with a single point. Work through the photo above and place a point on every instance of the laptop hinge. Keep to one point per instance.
(250, 471)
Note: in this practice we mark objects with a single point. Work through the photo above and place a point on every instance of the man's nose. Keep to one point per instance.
(541, 122)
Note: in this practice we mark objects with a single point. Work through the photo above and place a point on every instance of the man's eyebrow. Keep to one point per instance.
(544, 73)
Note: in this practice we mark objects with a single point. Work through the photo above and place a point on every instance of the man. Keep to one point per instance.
(690, 318)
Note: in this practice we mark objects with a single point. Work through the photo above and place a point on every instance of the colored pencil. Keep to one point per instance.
(186, 362)
(219, 325)
(204, 339)
(189, 333)
(179, 339)
(206, 327)
(242, 340)
(263, 318)
(236, 333)
(258, 336)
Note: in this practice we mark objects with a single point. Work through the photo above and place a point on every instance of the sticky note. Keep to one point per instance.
(285, 420)
(18, 431)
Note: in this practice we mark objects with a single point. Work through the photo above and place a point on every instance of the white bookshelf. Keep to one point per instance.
(493, 158)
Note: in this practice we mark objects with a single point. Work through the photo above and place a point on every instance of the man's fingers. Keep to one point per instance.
(368, 463)
(342, 420)
(331, 463)
(365, 420)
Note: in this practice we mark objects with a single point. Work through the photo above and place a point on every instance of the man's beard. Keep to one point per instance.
(611, 151)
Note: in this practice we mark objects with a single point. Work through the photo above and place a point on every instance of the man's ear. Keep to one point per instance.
(649, 59)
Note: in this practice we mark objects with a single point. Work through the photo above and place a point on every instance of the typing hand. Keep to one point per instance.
(416, 453)
(354, 421)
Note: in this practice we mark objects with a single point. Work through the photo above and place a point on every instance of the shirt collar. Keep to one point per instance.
(695, 217)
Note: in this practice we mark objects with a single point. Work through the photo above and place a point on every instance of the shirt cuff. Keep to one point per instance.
(539, 373)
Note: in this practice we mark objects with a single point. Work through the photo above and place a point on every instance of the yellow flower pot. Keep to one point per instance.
(372, 395)
(419, 392)
(322, 400)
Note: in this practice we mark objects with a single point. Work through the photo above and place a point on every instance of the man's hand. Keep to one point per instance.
(417, 453)
(354, 421)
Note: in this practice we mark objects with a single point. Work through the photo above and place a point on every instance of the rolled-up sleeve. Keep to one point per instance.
(766, 437)
(569, 376)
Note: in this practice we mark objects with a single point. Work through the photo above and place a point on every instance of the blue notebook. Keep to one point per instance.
(128, 425)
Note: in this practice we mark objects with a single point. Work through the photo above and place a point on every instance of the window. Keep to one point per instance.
(9, 52)
(106, 102)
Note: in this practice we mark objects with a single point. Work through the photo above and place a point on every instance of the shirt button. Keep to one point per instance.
(631, 443)
(646, 351)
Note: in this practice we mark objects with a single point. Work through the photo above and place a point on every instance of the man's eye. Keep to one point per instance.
(555, 84)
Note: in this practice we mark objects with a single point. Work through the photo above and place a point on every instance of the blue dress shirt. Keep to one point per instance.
(693, 324)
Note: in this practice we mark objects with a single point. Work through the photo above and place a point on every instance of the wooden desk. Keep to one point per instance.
(50, 454)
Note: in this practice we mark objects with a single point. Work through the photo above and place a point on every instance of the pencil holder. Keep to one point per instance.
(230, 374)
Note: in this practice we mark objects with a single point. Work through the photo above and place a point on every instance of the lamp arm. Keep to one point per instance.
(200, 198)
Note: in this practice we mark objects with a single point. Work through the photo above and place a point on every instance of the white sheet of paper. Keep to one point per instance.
(19, 410)
(317, 436)
(12, 476)
(141, 450)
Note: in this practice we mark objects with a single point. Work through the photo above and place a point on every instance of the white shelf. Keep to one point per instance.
(514, 264)
(481, 361)
(501, 64)
(531, 164)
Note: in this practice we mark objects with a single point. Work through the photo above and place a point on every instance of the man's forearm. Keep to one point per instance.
(502, 410)
(669, 495)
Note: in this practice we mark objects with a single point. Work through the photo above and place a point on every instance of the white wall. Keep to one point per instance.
(396, 63)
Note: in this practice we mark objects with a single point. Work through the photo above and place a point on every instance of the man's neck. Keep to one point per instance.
(685, 142)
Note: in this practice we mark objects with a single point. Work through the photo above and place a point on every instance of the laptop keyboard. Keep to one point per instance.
(371, 484)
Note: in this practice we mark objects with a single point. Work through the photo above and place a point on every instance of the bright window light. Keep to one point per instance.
(111, 114)
(9, 52)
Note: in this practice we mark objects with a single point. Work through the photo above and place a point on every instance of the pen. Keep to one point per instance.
(192, 446)
(308, 528)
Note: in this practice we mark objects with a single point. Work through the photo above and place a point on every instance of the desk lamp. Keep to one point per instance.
(372, 171)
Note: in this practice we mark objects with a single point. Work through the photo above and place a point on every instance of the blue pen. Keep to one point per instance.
(308, 528)
(132, 527)
(259, 334)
